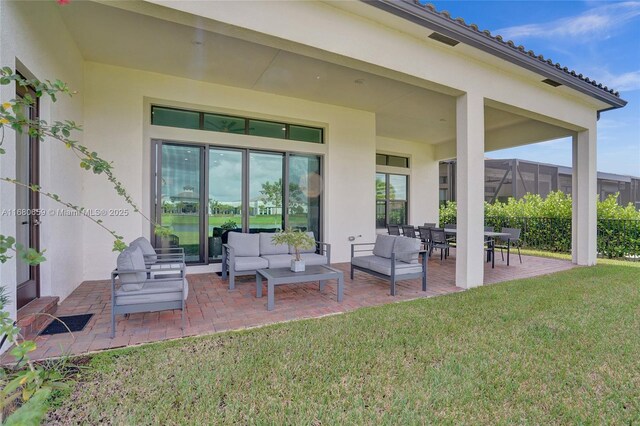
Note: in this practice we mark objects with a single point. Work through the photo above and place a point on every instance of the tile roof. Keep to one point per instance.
(520, 48)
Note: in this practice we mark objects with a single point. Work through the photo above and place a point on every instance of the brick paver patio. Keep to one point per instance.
(211, 307)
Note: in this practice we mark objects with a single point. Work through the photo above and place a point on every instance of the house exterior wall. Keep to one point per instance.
(423, 177)
(117, 125)
(34, 40)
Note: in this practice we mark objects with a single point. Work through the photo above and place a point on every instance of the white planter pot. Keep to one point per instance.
(297, 265)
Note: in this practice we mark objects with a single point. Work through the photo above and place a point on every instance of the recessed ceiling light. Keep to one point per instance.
(359, 81)
(197, 43)
(317, 77)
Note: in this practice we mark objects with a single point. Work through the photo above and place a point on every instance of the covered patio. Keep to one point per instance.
(212, 308)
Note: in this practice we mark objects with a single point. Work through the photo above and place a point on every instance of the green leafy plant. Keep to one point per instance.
(546, 222)
(296, 239)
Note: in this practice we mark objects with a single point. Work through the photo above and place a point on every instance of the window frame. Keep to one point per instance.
(247, 122)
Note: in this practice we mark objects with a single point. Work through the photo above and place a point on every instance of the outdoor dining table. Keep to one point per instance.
(489, 234)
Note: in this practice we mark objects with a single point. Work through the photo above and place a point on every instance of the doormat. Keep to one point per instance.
(73, 322)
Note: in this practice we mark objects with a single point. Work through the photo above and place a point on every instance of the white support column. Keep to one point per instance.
(584, 198)
(470, 190)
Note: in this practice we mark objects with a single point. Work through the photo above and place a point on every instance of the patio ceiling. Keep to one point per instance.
(120, 37)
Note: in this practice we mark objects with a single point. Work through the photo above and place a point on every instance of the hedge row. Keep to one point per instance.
(546, 223)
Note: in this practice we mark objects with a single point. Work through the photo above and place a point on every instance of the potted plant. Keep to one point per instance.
(298, 240)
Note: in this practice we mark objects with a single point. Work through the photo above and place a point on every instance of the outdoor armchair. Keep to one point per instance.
(134, 290)
(392, 258)
(159, 260)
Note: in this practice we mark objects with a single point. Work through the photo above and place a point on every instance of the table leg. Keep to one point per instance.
(270, 296)
(322, 283)
(340, 287)
(258, 285)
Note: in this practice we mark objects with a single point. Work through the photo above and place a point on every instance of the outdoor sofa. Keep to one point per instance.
(245, 253)
(148, 280)
(392, 258)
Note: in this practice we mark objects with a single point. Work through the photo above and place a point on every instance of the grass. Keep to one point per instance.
(567, 256)
(561, 348)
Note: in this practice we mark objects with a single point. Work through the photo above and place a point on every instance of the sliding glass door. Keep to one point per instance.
(181, 193)
(265, 192)
(225, 197)
(305, 190)
(204, 192)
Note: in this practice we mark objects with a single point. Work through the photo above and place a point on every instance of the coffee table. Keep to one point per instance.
(279, 276)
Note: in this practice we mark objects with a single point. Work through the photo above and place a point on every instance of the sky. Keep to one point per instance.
(600, 39)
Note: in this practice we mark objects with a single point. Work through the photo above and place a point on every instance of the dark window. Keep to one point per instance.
(392, 160)
(391, 199)
(305, 134)
(223, 123)
(175, 118)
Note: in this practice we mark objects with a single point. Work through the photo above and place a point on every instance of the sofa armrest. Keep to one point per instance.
(354, 245)
(325, 249)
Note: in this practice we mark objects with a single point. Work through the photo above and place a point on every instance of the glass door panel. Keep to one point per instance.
(181, 194)
(225, 197)
(265, 192)
(305, 188)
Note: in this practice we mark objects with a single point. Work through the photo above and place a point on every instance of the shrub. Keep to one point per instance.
(546, 222)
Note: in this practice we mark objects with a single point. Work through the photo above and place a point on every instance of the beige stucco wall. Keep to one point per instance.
(34, 39)
(117, 126)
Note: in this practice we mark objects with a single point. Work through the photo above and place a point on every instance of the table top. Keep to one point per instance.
(486, 233)
(288, 273)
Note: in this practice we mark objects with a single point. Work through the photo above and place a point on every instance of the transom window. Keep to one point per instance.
(174, 117)
(392, 160)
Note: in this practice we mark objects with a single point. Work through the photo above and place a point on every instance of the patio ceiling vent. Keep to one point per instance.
(443, 39)
(551, 82)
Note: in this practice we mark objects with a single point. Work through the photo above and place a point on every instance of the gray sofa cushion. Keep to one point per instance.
(130, 259)
(148, 251)
(245, 244)
(383, 266)
(313, 259)
(362, 261)
(384, 245)
(167, 291)
(302, 250)
(278, 260)
(267, 247)
(250, 263)
(406, 244)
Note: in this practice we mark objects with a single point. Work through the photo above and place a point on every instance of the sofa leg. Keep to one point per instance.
(393, 287)
(352, 272)
(113, 324)
(232, 281)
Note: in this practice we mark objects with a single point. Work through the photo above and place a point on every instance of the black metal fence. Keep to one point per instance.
(616, 238)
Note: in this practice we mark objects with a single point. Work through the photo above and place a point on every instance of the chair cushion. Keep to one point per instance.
(245, 244)
(130, 259)
(362, 261)
(148, 251)
(305, 250)
(250, 263)
(278, 260)
(167, 291)
(405, 244)
(267, 247)
(383, 266)
(313, 259)
(384, 245)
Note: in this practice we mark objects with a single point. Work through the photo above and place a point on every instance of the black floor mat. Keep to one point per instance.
(74, 322)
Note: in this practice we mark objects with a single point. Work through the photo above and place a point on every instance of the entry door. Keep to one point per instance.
(27, 206)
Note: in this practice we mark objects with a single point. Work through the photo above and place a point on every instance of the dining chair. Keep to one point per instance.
(513, 240)
(409, 231)
(393, 229)
(438, 241)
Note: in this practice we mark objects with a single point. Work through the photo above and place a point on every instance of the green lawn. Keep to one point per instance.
(556, 349)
